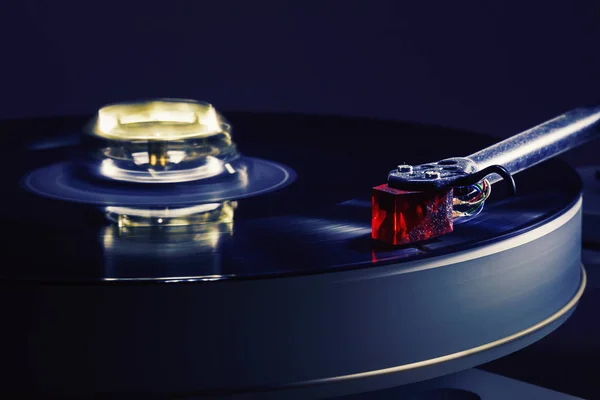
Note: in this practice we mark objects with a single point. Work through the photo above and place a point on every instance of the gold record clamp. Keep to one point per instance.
(159, 120)
(161, 135)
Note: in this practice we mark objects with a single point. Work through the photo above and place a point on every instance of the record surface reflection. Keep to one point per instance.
(318, 221)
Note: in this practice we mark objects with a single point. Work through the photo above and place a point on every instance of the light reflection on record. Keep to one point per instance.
(318, 224)
(63, 181)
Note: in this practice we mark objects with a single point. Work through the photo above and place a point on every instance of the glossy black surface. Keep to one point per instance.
(320, 223)
(66, 181)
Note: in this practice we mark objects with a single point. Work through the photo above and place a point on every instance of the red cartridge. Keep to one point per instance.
(401, 217)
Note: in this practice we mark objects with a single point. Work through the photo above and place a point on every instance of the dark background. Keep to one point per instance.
(492, 67)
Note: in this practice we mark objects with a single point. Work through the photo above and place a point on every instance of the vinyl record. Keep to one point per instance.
(283, 290)
(320, 223)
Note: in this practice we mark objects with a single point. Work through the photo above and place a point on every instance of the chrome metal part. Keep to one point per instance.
(515, 154)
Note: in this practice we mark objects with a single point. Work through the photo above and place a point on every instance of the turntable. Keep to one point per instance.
(159, 249)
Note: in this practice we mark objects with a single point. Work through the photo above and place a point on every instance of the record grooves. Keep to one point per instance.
(318, 224)
(100, 306)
